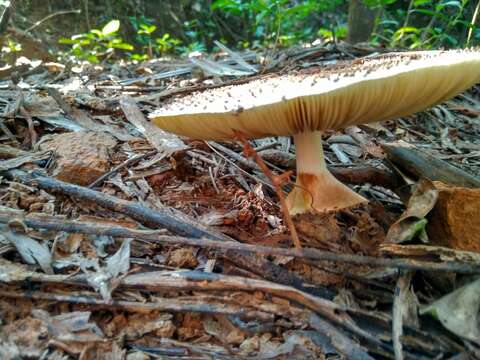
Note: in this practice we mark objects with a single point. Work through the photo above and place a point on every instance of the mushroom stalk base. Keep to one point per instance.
(316, 188)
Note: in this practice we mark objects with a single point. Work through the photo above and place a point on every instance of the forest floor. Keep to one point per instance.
(171, 248)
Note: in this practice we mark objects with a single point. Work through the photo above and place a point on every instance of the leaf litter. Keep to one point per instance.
(177, 251)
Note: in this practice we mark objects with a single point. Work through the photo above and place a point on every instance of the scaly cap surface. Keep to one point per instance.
(327, 97)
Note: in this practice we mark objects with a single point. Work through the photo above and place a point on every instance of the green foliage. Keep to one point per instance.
(275, 23)
(11, 47)
(166, 43)
(97, 44)
(426, 24)
(280, 22)
(10, 50)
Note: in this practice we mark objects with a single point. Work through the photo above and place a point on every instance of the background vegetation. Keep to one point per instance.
(142, 29)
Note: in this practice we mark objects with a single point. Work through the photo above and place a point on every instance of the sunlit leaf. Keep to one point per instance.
(92, 58)
(79, 36)
(94, 33)
(66, 41)
(111, 27)
(139, 57)
(443, 5)
(123, 46)
(421, 2)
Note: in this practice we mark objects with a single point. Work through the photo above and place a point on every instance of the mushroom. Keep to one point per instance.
(307, 102)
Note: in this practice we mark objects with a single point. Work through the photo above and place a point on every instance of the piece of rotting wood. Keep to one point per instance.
(424, 165)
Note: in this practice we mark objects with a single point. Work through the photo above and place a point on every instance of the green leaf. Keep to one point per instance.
(123, 46)
(139, 57)
(66, 41)
(417, 3)
(92, 59)
(223, 4)
(408, 29)
(146, 29)
(111, 27)
(78, 37)
(378, 3)
(95, 33)
(455, 3)
(427, 12)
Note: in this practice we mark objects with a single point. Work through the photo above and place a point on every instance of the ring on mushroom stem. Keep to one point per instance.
(306, 102)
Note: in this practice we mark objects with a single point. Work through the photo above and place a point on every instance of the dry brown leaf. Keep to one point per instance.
(412, 222)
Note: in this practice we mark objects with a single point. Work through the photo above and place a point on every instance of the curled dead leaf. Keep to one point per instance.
(412, 222)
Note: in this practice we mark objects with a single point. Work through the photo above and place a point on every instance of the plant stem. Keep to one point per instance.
(472, 23)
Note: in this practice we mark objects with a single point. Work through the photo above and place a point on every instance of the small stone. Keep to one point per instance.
(80, 157)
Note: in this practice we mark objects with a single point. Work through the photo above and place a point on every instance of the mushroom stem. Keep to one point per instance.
(316, 188)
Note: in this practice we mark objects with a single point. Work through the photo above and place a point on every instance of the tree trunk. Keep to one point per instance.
(361, 21)
(5, 16)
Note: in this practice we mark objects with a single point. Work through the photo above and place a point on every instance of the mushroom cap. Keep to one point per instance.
(324, 97)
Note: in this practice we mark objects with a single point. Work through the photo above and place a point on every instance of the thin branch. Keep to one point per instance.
(277, 182)
(472, 23)
(201, 281)
(156, 219)
(60, 224)
(179, 305)
(399, 306)
(119, 167)
(48, 17)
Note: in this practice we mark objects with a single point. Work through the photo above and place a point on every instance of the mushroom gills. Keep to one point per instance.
(316, 188)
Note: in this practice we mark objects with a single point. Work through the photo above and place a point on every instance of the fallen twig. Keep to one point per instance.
(276, 181)
(119, 167)
(61, 224)
(48, 17)
(359, 174)
(155, 219)
(201, 281)
(399, 306)
(423, 165)
(160, 304)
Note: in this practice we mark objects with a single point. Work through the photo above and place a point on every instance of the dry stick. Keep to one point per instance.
(359, 174)
(155, 219)
(277, 182)
(119, 167)
(197, 280)
(424, 165)
(362, 174)
(211, 282)
(174, 305)
(201, 281)
(175, 349)
(338, 339)
(341, 342)
(472, 23)
(31, 127)
(48, 17)
(60, 224)
(399, 304)
(246, 173)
